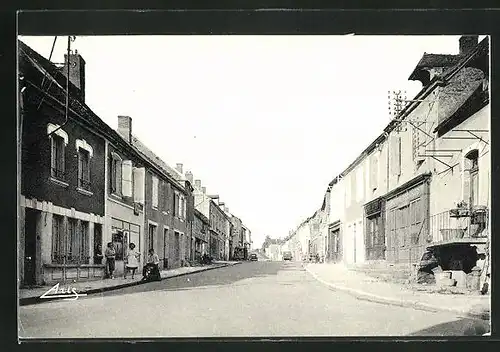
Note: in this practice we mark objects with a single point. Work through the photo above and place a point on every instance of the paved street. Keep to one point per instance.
(251, 299)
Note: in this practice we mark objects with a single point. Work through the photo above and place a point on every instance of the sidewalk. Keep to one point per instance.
(32, 295)
(337, 277)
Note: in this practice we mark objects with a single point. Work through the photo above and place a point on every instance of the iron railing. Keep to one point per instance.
(84, 184)
(451, 225)
(58, 174)
(58, 258)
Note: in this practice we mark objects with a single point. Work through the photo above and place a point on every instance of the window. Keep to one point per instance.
(57, 157)
(374, 171)
(151, 235)
(154, 192)
(116, 174)
(359, 184)
(83, 248)
(472, 178)
(78, 236)
(395, 158)
(348, 191)
(83, 169)
(58, 239)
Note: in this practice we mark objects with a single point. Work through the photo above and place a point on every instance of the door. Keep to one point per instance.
(177, 247)
(165, 248)
(30, 247)
(98, 252)
(375, 239)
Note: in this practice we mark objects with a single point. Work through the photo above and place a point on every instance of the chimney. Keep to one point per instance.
(76, 71)
(204, 190)
(197, 184)
(178, 167)
(189, 176)
(467, 43)
(125, 127)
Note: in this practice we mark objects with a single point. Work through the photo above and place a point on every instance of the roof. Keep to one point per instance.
(30, 59)
(435, 60)
(153, 158)
(200, 215)
(479, 50)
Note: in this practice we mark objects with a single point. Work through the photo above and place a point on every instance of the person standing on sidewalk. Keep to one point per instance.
(110, 255)
(132, 261)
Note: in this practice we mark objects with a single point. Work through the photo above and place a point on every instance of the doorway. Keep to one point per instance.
(30, 240)
(165, 248)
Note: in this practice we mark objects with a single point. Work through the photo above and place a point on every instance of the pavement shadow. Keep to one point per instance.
(459, 327)
(217, 277)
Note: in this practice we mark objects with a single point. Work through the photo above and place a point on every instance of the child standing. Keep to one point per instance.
(132, 260)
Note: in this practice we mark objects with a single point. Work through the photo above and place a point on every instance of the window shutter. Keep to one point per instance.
(118, 180)
(154, 193)
(169, 197)
(126, 179)
(396, 156)
(139, 174)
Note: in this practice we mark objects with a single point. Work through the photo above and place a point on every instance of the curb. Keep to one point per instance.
(370, 297)
(35, 300)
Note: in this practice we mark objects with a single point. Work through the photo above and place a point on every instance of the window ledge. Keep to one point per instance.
(58, 182)
(116, 196)
(84, 191)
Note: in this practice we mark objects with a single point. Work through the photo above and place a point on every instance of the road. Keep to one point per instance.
(256, 299)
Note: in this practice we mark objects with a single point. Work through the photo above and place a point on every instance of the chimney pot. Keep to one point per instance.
(467, 43)
(125, 127)
(197, 184)
(204, 190)
(178, 167)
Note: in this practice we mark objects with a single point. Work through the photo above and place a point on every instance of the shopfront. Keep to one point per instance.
(122, 234)
(407, 221)
(374, 230)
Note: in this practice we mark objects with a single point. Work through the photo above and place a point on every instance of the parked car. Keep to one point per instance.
(253, 257)
(287, 255)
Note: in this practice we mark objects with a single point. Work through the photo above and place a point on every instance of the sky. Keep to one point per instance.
(266, 122)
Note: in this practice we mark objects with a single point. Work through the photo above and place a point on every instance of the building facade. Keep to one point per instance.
(62, 185)
(425, 181)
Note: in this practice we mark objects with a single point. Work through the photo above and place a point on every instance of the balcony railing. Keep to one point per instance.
(447, 226)
(58, 174)
(84, 184)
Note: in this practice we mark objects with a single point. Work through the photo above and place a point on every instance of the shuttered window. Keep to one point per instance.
(154, 192)
(57, 157)
(126, 178)
(83, 169)
(138, 181)
(115, 176)
(374, 171)
(395, 159)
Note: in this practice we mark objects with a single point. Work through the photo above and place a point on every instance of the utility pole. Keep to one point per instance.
(66, 119)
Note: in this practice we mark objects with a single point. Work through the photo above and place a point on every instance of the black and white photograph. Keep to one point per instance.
(201, 186)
